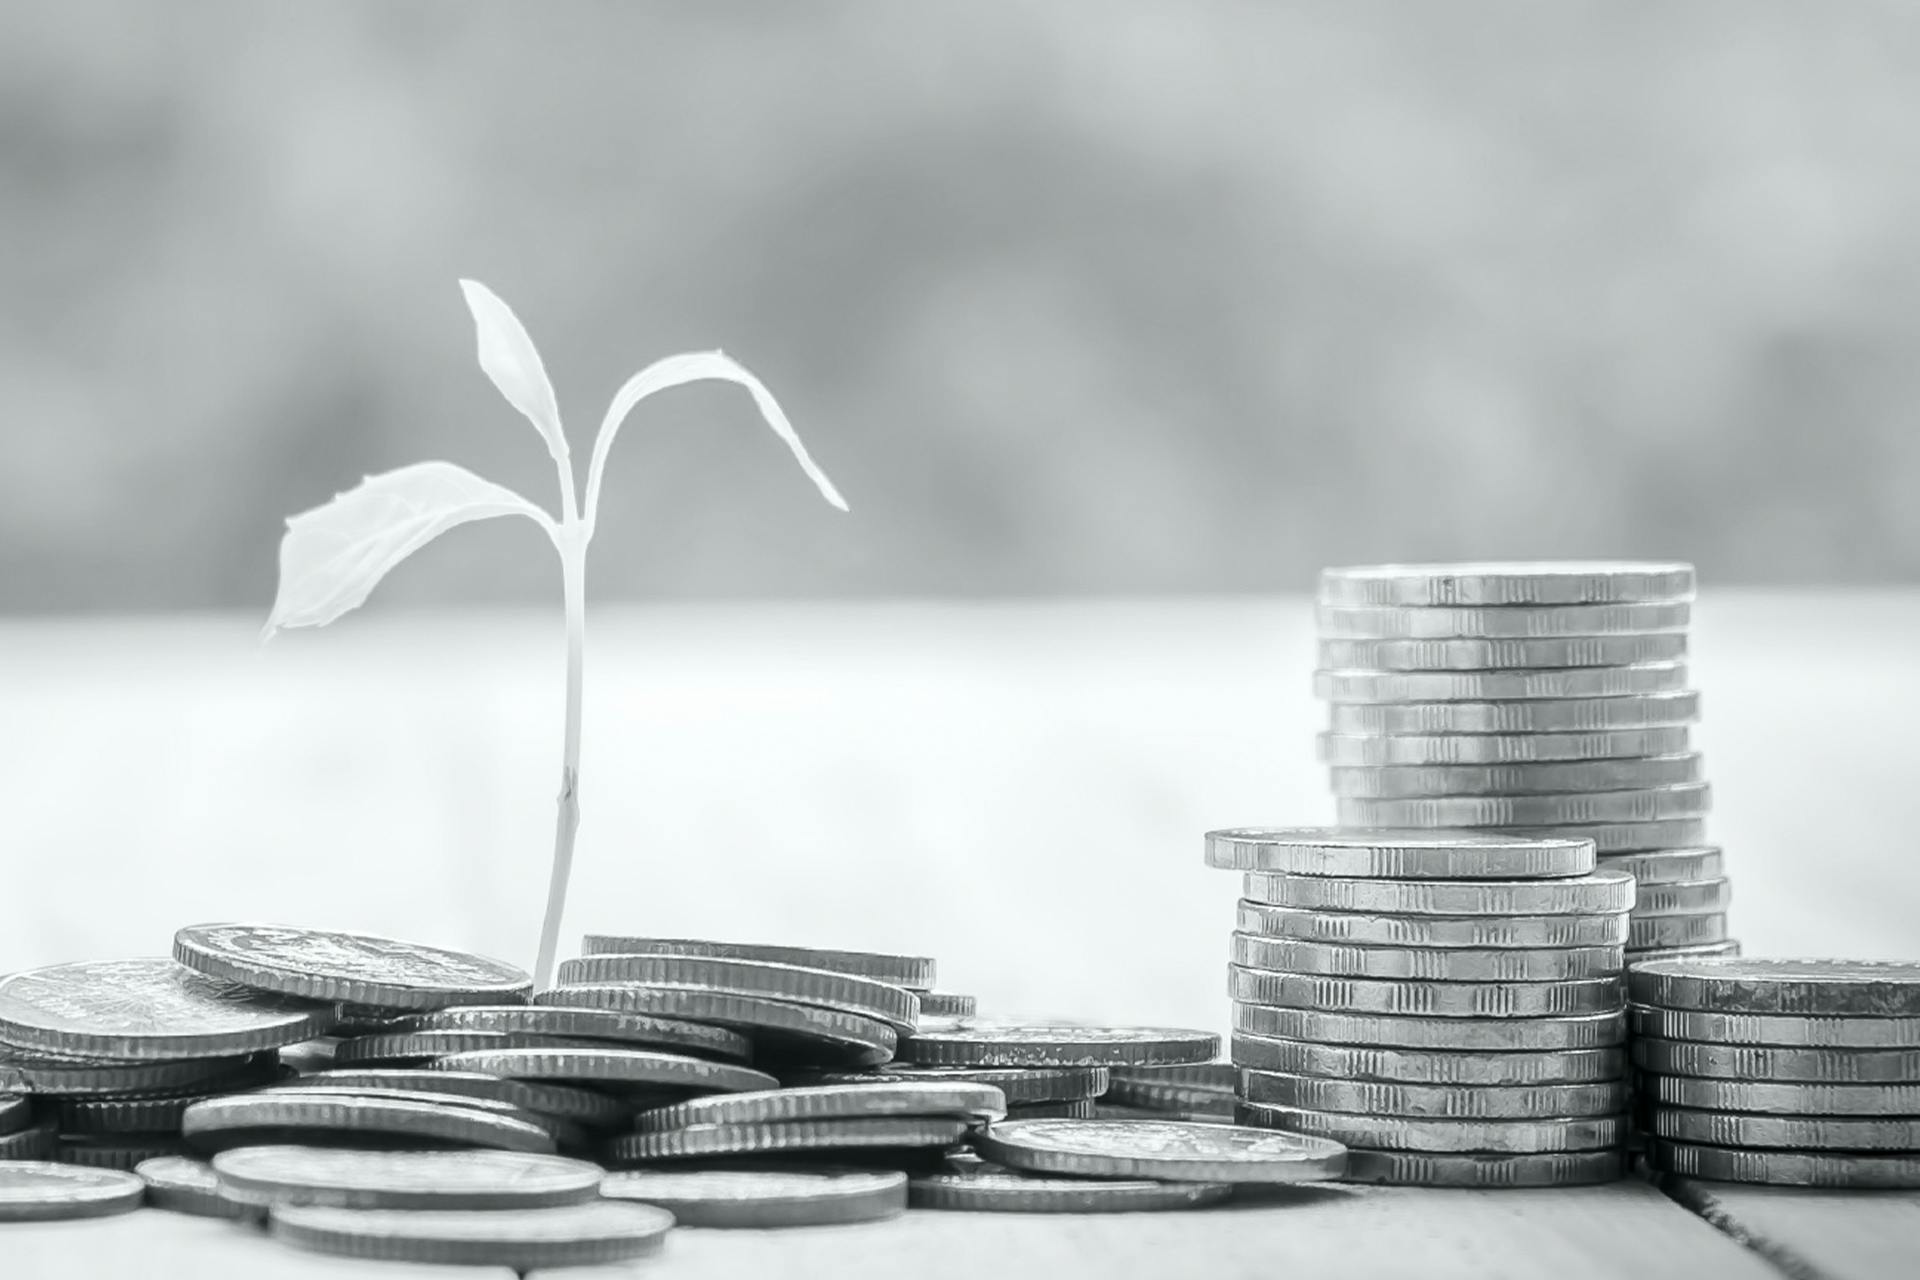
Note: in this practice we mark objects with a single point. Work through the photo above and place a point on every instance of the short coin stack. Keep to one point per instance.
(1793, 1072)
(1544, 699)
(1451, 1006)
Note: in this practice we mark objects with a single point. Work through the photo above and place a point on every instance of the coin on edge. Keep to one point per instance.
(1402, 854)
(1541, 684)
(568, 1235)
(147, 1008)
(1669, 866)
(350, 968)
(764, 1197)
(39, 1191)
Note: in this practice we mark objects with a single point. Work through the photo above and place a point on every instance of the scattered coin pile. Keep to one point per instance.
(1546, 699)
(1450, 1006)
(1799, 1072)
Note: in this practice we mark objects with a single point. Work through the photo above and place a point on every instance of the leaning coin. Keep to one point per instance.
(831, 1102)
(764, 1197)
(1508, 1035)
(991, 1190)
(1622, 837)
(221, 1122)
(186, 1185)
(1517, 621)
(1472, 1169)
(1785, 1168)
(710, 1140)
(24, 1072)
(1666, 933)
(1497, 653)
(1404, 854)
(1684, 898)
(1407, 997)
(1784, 1029)
(1403, 1133)
(1356, 750)
(1406, 782)
(1543, 715)
(1647, 804)
(586, 1024)
(1437, 1101)
(1875, 988)
(1514, 582)
(586, 1106)
(778, 1029)
(1794, 1133)
(392, 1047)
(1669, 866)
(37, 1191)
(356, 968)
(568, 1235)
(913, 972)
(1170, 1150)
(404, 1179)
(147, 1008)
(623, 1068)
(1608, 929)
(1427, 1066)
(1355, 685)
(1021, 1086)
(153, 1113)
(898, 1007)
(1014, 1044)
(1798, 1098)
(1597, 892)
(1647, 955)
(1753, 1062)
(1450, 964)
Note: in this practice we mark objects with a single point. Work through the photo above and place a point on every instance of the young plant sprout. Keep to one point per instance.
(332, 556)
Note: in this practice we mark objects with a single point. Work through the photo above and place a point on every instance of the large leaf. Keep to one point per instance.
(695, 366)
(509, 357)
(333, 555)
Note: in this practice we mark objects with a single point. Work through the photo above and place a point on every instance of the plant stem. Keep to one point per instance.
(573, 574)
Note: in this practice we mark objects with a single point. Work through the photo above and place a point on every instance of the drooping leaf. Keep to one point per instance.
(333, 555)
(509, 357)
(695, 366)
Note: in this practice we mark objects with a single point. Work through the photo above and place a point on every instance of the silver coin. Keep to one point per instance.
(404, 1179)
(1217, 1076)
(1477, 1169)
(856, 1134)
(1650, 933)
(1792, 1030)
(946, 1004)
(1400, 782)
(1796, 1098)
(22, 1071)
(913, 972)
(589, 1024)
(1205, 1089)
(1785, 1168)
(1490, 653)
(1352, 685)
(1511, 1035)
(993, 1190)
(1877, 988)
(1757, 1062)
(898, 1007)
(35, 1142)
(623, 1068)
(183, 1184)
(1438, 622)
(1433, 964)
(38, 1191)
(219, 1122)
(586, 1106)
(1017, 1044)
(1647, 955)
(1355, 750)
(569, 1235)
(1596, 893)
(1647, 804)
(1436, 1101)
(1167, 1150)
(1669, 866)
(16, 1113)
(1478, 1067)
(1405, 1133)
(1372, 929)
(121, 1154)
(562, 1131)
(123, 1115)
(354, 968)
(779, 1030)
(1622, 837)
(144, 1009)
(1021, 1086)
(963, 1099)
(1412, 855)
(1517, 582)
(1787, 1133)
(1684, 898)
(764, 1197)
(1406, 997)
(1541, 715)
(393, 1047)
(1082, 1109)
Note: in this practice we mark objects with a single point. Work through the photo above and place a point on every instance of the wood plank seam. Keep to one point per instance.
(1791, 1264)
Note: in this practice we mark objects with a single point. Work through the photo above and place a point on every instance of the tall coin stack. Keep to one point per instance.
(1545, 699)
(1451, 1006)
(1793, 1072)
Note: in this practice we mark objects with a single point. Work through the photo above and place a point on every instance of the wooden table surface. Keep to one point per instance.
(1017, 789)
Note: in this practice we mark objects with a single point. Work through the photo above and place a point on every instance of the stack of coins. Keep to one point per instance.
(1795, 1072)
(1451, 1006)
(1545, 699)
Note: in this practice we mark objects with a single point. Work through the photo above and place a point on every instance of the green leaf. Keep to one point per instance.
(332, 556)
(509, 358)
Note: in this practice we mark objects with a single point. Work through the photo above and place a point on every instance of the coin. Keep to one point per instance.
(1014, 1044)
(16, 1113)
(1404, 1133)
(219, 1122)
(1490, 781)
(1372, 929)
(764, 1197)
(1647, 955)
(590, 1024)
(1021, 1086)
(1800, 1098)
(123, 1115)
(1167, 1150)
(404, 1179)
(1622, 837)
(356, 968)
(1475, 1169)
(1510, 1035)
(1417, 1066)
(1439, 1101)
(186, 1185)
(1784, 1029)
(584, 1105)
(1352, 750)
(832, 1102)
(33, 1143)
(1684, 898)
(1595, 893)
(1785, 1168)
(1817, 1133)
(1080, 1109)
(992, 1190)
(1647, 804)
(569, 1235)
(1213, 1099)
(1518, 621)
(798, 1032)
(1451, 964)
(1495, 653)
(1753, 1062)
(1877, 988)
(860, 1133)
(945, 1004)
(1408, 997)
(123, 1154)
(1668, 866)
(1514, 582)
(611, 1066)
(389, 1047)
(144, 1009)
(1648, 933)
(1412, 855)
(895, 1006)
(24, 1072)
(1355, 685)
(39, 1191)
(913, 972)
(1538, 715)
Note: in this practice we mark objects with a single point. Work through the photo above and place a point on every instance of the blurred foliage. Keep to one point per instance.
(1079, 296)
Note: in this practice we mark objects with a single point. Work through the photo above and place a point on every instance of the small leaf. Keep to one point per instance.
(333, 555)
(509, 357)
(695, 366)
